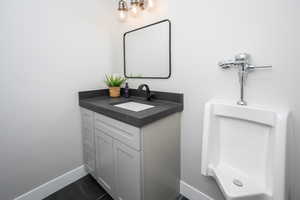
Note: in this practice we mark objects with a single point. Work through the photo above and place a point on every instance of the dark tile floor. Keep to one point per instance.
(85, 188)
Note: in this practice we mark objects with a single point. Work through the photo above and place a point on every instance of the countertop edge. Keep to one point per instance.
(128, 119)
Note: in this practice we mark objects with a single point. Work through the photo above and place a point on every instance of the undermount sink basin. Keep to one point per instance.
(134, 106)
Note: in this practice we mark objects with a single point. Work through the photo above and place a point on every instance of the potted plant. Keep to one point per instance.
(114, 84)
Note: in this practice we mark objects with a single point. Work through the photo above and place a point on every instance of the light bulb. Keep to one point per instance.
(122, 10)
(150, 4)
(122, 15)
(135, 10)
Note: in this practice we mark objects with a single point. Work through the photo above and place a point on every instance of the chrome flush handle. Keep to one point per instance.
(242, 62)
(251, 67)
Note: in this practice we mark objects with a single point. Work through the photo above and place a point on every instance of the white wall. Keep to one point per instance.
(205, 32)
(49, 50)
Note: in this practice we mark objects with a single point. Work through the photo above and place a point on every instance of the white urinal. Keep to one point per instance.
(244, 150)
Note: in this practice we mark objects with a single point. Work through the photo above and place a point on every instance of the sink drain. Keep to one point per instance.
(238, 183)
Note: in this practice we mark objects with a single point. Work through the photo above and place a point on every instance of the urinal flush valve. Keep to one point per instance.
(242, 63)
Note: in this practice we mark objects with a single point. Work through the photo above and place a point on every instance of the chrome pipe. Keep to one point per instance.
(242, 62)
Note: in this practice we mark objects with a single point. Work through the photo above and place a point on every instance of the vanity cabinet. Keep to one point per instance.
(89, 157)
(133, 163)
(105, 161)
(127, 169)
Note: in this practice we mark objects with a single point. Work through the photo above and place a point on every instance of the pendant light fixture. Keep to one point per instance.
(135, 8)
(122, 10)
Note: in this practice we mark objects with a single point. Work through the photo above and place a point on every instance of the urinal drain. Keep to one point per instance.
(238, 183)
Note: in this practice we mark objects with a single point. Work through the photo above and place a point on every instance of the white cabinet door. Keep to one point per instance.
(87, 118)
(105, 161)
(127, 170)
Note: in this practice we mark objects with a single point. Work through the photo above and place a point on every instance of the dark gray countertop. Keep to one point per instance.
(165, 104)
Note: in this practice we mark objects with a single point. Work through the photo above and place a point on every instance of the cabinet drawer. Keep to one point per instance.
(123, 132)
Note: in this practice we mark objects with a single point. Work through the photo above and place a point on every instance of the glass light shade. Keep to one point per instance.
(122, 15)
(122, 10)
(135, 10)
(150, 4)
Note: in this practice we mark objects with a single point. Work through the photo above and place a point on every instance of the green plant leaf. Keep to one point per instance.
(114, 81)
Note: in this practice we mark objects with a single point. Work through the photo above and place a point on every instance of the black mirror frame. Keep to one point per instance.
(170, 52)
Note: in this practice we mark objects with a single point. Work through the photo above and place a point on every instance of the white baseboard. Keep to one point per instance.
(192, 193)
(54, 185)
(60, 182)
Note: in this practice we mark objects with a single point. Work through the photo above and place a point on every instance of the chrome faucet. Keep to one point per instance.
(242, 62)
(149, 94)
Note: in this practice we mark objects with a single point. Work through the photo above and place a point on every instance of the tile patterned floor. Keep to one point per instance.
(85, 188)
